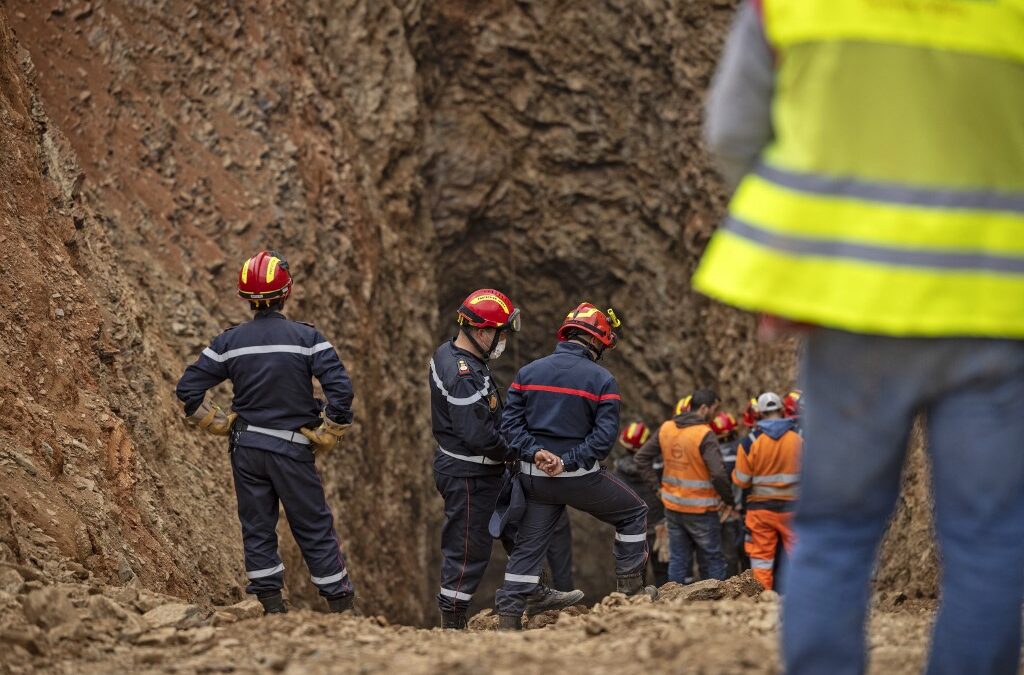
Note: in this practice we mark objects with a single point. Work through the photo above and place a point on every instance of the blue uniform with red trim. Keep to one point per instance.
(569, 405)
(469, 464)
(271, 362)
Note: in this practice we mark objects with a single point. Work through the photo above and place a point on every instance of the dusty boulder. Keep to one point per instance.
(49, 608)
(174, 615)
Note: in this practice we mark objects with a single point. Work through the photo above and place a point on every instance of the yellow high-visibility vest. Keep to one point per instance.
(891, 200)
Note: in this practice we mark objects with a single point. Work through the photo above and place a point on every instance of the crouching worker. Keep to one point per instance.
(277, 429)
(469, 462)
(561, 420)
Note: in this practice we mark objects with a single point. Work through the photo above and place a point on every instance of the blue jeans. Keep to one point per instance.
(862, 395)
(690, 533)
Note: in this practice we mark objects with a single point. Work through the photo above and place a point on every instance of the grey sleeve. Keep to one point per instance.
(738, 121)
(712, 456)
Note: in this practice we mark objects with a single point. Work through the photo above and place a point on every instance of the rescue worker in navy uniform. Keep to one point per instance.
(277, 430)
(561, 420)
(469, 462)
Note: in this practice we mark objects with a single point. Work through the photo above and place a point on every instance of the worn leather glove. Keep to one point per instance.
(661, 542)
(212, 419)
(326, 436)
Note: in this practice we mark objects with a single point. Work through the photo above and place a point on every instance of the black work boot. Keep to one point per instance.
(544, 599)
(509, 622)
(453, 620)
(273, 604)
(341, 605)
(633, 584)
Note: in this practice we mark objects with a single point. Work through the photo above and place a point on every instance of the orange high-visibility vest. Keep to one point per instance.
(686, 484)
(771, 469)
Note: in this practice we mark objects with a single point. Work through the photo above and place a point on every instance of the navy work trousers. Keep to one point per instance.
(263, 481)
(466, 543)
(600, 494)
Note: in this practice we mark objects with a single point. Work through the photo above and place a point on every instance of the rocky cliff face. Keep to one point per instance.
(401, 153)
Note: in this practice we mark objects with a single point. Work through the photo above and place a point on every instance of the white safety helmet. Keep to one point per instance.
(769, 402)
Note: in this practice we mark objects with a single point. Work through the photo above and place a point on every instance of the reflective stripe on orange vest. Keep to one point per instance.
(686, 483)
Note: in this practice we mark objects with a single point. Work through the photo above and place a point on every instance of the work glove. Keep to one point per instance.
(326, 436)
(661, 542)
(212, 419)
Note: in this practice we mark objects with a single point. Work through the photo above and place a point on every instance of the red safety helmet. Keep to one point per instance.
(265, 278)
(723, 424)
(488, 308)
(634, 436)
(591, 320)
(791, 404)
(751, 414)
(683, 405)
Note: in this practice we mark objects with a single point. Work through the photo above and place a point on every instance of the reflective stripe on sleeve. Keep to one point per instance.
(522, 578)
(454, 400)
(334, 578)
(761, 563)
(266, 349)
(745, 477)
(268, 572)
(630, 538)
(449, 593)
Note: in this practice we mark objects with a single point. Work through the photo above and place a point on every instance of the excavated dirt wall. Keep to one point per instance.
(401, 153)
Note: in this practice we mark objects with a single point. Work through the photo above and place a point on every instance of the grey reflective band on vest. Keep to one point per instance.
(448, 593)
(468, 400)
(334, 578)
(777, 478)
(893, 193)
(683, 482)
(266, 349)
(743, 477)
(690, 501)
(761, 563)
(765, 491)
(532, 470)
(476, 459)
(268, 572)
(290, 436)
(786, 243)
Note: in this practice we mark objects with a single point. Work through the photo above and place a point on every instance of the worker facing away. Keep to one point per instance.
(469, 461)
(277, 429)
(632, 438)
(771, 471)
(562, 419)
(892, 231)
(727, 432)
(693, 485)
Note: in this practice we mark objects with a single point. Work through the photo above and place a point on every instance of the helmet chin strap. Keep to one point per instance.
(485, 354)
(595, 353)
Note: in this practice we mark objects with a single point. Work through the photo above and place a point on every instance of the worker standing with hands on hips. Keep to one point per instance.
(469, 461)
(277, 429)
(879, 150)
(562, 419)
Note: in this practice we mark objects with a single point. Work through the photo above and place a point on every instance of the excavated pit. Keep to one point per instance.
(401, 153)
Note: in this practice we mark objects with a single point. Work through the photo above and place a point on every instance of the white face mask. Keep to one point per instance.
(499, 349)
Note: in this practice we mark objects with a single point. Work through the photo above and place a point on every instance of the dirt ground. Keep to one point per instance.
(709, 627)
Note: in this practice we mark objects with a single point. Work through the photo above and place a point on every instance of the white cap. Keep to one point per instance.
(768, 402)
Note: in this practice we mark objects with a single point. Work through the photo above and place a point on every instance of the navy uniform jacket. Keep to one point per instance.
(564, 403)
(271, 362)
(465, 413)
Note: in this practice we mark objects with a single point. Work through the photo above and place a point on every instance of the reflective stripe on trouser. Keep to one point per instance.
(601, 495)
(263, 481)
(465, 542)
(766, 528)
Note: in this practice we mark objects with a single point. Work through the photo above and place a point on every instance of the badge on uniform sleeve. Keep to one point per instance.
(493, 401)
(463, 367)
